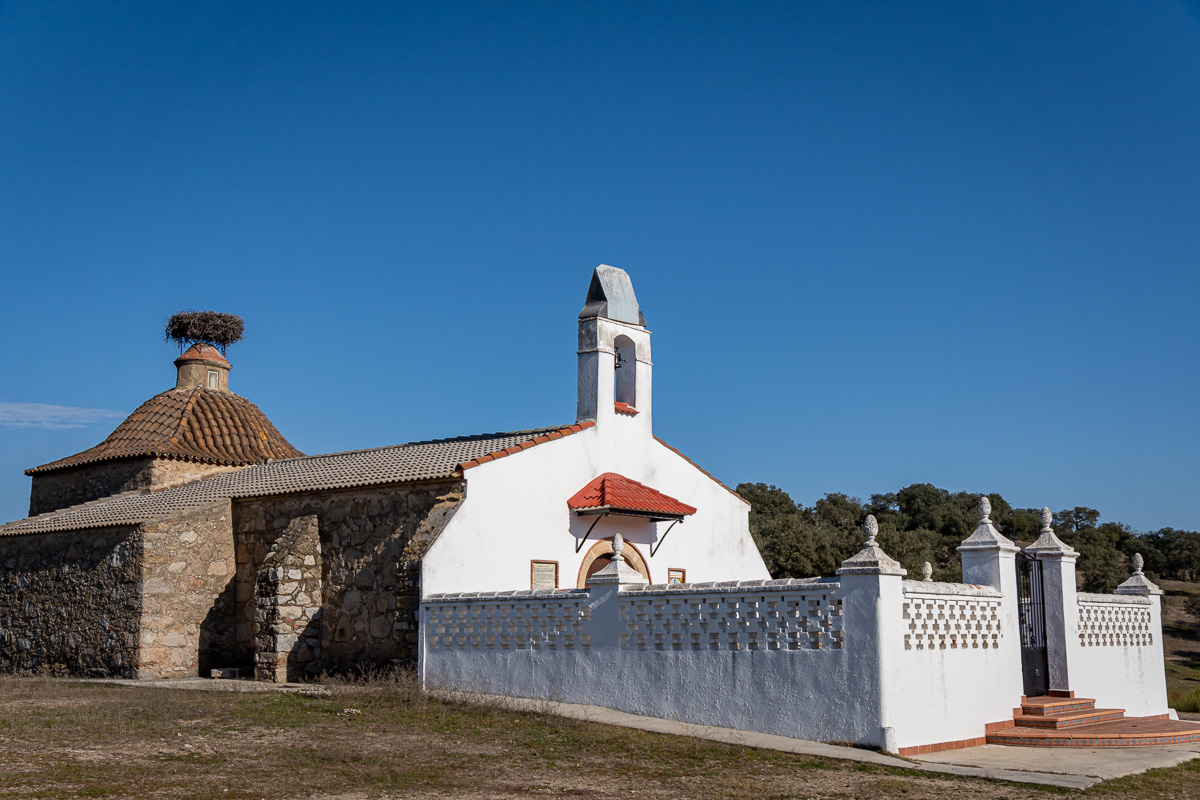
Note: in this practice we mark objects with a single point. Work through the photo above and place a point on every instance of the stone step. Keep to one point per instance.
(1044, 706)
(1126, 732)
(1068, 719)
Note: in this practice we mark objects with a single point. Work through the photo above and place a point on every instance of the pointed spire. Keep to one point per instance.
(987, 536)
(871, 560)
(1138, 583)
(1048, 543)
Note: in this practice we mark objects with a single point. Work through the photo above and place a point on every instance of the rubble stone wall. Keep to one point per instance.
(69, 487)
(371, 542)
(287, 614)
(69, 602)
(188, 593)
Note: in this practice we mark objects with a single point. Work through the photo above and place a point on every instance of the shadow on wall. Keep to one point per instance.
(217, 641)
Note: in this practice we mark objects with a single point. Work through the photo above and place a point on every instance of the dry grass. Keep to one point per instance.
(1181, 646)
(382, 738)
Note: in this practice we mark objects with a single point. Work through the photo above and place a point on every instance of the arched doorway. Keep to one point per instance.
(600, 556)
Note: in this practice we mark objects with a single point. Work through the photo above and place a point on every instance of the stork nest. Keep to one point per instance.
(210, 327)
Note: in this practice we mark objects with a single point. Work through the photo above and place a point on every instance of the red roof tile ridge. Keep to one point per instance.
(615, 491)
(703, 471)
(550, 435)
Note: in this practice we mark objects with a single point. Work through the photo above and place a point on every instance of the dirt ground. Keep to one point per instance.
(386, 740)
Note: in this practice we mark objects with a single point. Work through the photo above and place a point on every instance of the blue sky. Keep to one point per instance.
(878, 244)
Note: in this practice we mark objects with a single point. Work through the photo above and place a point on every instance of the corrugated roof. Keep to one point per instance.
(195, 424)
(613, 492)
(415, 461)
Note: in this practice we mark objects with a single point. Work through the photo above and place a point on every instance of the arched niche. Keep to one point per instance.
(625, 371)
(600, 556)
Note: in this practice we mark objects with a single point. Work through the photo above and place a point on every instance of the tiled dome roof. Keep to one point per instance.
(193, 424)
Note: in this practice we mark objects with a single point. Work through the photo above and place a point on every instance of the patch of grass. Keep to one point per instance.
(379, 737)
(1185, 701)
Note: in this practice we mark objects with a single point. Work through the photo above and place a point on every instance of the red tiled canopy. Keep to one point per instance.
(615, 494)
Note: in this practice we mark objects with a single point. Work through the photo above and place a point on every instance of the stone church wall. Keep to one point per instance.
(69, 487)
(371, 543)
(188, 593)
(69, 602)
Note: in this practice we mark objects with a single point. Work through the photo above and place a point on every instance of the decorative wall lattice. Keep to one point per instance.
(733, 621)
(1114, 624)
(513, 623)
(951, 622)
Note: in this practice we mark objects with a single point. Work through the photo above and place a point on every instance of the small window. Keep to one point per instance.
(214, 379)
(543, 575)
(676, 576)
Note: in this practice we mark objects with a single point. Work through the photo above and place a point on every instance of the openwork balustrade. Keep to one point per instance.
(772, 615)
(950, 616)
(1107, 620)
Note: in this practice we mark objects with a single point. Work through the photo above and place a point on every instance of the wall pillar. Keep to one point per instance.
(1061, 602)
(604, 589)
(287, 613)
(989, 558)
(872, 594)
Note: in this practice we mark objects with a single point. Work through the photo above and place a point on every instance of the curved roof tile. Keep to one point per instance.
(195, 424)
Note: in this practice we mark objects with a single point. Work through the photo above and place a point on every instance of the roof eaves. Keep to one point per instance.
(512, 449)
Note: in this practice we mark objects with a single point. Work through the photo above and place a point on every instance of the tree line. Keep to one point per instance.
(923, 523)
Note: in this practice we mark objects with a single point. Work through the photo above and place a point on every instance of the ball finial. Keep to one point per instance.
(927, 571)
(871, 529)
(1138, 563)
(985, 509)
(1047, 518)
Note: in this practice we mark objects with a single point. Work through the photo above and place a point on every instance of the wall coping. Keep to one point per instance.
(714, 587)
(728, 587)
(938, 588)
(1113, 599)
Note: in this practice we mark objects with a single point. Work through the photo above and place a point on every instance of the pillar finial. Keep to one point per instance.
(985, 509)
(1047, 519)
(927, 571)
(1138, 583)
(871, 559)
(618, 545)
(871, 529)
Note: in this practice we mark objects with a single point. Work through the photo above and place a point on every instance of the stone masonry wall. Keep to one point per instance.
(188, 594)
(287, 614)
(371, 541)
(71, 487)
(83, 484)
(69, 602)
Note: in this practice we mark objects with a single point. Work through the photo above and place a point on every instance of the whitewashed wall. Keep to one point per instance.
(1117, 653)
(771, 656)
(960, 663)
(516, 511)
(862, 659)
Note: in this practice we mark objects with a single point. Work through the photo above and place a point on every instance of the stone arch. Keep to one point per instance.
(602, 550)
(625, 371)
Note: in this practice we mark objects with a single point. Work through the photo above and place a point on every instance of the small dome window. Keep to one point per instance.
(214, 379)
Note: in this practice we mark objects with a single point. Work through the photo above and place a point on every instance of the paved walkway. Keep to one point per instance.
(1076, 768)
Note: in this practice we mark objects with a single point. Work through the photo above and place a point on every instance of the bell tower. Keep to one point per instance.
(614, 353)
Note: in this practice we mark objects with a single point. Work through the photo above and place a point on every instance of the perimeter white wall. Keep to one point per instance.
(1117, 655)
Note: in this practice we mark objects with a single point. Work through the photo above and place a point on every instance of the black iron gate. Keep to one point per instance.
(1031, 609)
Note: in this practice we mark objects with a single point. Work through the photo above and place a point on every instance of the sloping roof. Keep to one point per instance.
(415, 461)
(194, 424)
(615, 493)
